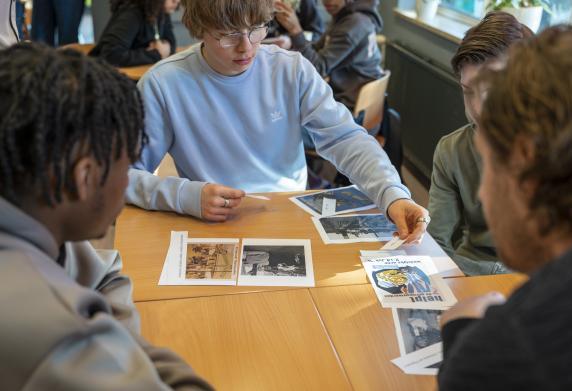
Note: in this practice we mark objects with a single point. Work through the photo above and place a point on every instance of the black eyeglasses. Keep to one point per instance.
(255, 35)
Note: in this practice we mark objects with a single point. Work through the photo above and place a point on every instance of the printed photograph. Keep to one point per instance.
(276, 262)
(216, 261)
(273, 261)
(417, 328)
(348, 199)
(355, 228)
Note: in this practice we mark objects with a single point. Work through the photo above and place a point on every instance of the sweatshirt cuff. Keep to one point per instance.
(190, 198)
(298, 40)
(390, 195)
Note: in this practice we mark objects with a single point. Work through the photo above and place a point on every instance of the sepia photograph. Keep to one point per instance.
(211, 261)
(354, 228)
(279, 262)
(348, 199)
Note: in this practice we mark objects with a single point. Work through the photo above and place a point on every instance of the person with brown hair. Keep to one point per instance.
(347, 54)
(139, 32)
(457, 223)
(525, 141)
(231, 114)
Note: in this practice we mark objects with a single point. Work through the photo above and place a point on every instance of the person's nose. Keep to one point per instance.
(245, 44)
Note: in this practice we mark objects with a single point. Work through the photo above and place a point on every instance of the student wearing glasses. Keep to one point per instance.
(231, 113)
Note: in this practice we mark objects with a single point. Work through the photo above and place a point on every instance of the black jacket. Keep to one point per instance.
(347, 53)
(525, 344)
(309, 17)
(126, 37)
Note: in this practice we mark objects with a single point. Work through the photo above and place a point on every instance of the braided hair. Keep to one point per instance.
(57, 105)
(152, 9)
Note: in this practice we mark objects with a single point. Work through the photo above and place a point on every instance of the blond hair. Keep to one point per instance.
(225, 15)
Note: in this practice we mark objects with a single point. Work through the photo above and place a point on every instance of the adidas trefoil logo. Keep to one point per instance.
(275, 116)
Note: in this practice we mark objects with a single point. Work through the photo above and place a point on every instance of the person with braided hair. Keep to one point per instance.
(69, 130)
(139, 32)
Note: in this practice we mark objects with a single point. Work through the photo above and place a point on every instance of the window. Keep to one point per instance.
(473, 8)
(561, 10)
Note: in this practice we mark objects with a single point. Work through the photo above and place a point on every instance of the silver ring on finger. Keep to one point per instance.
(226, 203)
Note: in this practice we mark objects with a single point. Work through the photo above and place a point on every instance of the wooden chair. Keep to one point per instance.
(370, 101)
(368, 112)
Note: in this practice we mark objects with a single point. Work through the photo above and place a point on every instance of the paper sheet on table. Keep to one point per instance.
(421, 362)
(348, 199)
(408, 282)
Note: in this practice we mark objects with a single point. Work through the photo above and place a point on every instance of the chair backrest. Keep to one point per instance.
(80, 47)
(370, 100)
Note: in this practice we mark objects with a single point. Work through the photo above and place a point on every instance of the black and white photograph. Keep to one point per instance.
(276, 262)
(348, 199)
(355, 228)
(416, 328)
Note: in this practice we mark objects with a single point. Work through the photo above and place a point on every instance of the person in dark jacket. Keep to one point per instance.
(310, 20)
(524, 138)
(347, 54)
(139, 32)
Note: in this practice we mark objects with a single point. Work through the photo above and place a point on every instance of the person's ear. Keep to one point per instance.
(85, 177)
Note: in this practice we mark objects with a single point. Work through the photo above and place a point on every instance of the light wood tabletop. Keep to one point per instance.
(142, 237)
(135, 73)
(364, 336)
(332, 338)
(259, 341)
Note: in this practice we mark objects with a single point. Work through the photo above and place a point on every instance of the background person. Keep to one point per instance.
(347, 54)
(139, 32)
(310, 20)
(524, 139)
(458, 224)
(56, 18)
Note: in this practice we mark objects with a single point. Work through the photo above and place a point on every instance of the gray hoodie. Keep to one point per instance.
(347, 54)
(68, 321)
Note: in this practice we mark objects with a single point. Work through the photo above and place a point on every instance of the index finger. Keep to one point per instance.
(418, 231)
(229, 192)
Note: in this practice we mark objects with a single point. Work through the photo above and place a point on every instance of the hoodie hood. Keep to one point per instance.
(366, 7)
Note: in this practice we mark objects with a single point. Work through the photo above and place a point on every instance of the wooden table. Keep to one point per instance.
(135, 73)
(332, 338)
(143, 239)
(335, 336)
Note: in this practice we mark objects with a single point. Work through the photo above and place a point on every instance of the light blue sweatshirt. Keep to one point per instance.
(245, 132)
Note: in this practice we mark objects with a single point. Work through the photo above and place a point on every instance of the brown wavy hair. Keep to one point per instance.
(489, 39)
(225, 15)
(152, 9)
(531, 98)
